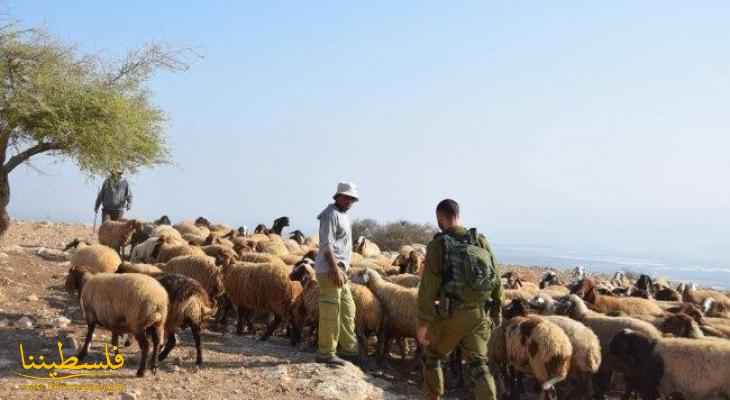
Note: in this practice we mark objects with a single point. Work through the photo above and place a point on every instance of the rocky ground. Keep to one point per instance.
(36, 311)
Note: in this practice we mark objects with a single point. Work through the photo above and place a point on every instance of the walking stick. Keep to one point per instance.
(96, 215)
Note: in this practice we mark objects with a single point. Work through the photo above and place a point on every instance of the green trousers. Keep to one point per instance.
(469, 328)
(336, 318)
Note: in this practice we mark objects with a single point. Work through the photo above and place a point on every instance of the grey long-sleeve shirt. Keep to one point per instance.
(114, 196)
(335, 233)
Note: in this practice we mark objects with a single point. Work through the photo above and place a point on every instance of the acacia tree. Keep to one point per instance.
(94, 112)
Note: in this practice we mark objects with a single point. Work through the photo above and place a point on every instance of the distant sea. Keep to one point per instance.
(703, 275)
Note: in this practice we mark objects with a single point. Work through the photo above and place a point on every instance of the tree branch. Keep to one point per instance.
(27, 154)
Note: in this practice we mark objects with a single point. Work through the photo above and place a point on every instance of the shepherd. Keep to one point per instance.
(114, 197)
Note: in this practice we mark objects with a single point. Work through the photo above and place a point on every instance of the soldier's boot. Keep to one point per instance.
(433, 378)
(484, 386)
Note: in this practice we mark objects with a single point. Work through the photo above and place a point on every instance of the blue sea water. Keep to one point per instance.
(704, 275)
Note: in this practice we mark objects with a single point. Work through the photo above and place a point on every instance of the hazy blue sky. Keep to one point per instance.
(601, 127)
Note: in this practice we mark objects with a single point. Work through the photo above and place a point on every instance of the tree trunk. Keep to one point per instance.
(4, 201)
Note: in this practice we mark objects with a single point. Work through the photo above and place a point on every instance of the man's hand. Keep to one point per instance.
(337, 277)
(422, 334)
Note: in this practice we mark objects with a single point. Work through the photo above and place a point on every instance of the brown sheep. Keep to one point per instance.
(117, 234)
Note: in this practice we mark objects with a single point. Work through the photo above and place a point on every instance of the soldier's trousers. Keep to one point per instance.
(336, 318)
(470, 328)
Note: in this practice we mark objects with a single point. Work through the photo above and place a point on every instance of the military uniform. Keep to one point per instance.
(467, 324)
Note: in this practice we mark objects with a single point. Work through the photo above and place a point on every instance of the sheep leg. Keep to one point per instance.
(155, 347)
(115, 343)
(198, 348)
(295, 334)
(239, 323)
(89, 335)
(271, 328)
(169, 345)
(144, 347)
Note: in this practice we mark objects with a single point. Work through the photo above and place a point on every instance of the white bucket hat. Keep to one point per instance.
(348, 189)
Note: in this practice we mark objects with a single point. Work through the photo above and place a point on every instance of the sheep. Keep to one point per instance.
(607, 304)
(405, 280)
(514, 282)
(399, 306)
(220, 229)
(681, 325)
(715, 309)
(117, 234)
(194, 240)
(167, 230)
(96, 258)
(579, 273)
(143, 252)
(257, 257)
(147, 269)
(279, 224)
(586, 357)
(167, 249)
(694, 369)
(540, 348)
(291, 259)
(273, 247)
(127, 303)
(549, 279)
(189, 306)
(368, 315)
(189, 227)
(693, 295)
(262, 287)
(366, 248)
(147, 229)
(298, 237)
(605, 328)
(201, 268)
(219, 251)
(306, 310)
(76, 245)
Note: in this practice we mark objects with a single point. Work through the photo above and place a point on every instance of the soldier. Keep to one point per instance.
(115, 196)
(460, 285)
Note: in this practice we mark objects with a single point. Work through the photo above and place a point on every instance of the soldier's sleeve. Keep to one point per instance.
(428, 290)
(497, 293)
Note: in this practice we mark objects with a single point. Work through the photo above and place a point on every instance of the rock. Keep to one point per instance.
(15, 250)
(131, 395)
(50, 254)
(178, 360)
(32, 297)
(24, 323)
(4, 323)
(61, 322)
(174, 369)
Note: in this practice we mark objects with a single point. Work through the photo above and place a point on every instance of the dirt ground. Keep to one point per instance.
(240, 367)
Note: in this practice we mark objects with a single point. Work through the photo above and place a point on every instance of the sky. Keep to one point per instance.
(590, 126)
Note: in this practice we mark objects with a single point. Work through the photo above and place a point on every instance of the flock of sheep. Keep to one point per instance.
(572, 337)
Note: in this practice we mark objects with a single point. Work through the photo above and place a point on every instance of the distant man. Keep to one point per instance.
(336, 306)
(114, 196)
(459, 287)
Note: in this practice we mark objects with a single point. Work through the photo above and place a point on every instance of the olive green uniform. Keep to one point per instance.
(468, 325)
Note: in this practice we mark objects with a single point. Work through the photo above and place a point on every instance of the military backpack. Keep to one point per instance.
(469, 275)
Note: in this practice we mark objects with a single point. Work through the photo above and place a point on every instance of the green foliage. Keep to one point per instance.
(393, 235)
(95, 113)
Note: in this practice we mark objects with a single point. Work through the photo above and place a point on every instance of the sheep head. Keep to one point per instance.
(279, 225)
(517, 308)
(550, 278)
(681, 325)
(72, 244)
(163, 220)
(202, 221)
(631, 350)
(261, 228)
(76, 278)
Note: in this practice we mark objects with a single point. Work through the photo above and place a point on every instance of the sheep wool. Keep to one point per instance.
(97, 258)
(200, 268)
(540, 348)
